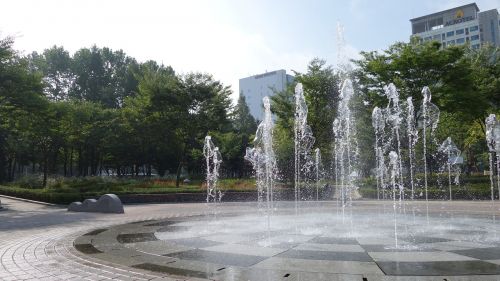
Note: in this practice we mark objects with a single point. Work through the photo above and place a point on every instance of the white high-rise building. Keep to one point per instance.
(460, 25)
(256, 87)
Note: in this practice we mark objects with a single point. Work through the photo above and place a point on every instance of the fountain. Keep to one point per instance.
(394, 119)
(317, 168)
(304, 141)
(430, 119)
(378, 123)
(412, 133)
(493, 143)
(345, 143)
(437, 240)
(395, 170)
(496, 133)
(452, 154)
(213, 160)
(262, 158)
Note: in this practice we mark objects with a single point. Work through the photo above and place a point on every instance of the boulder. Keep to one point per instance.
(108, 203)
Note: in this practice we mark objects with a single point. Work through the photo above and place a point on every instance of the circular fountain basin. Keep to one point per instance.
(316, 241)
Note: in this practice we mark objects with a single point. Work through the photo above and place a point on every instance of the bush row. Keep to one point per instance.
(41, 195)
(470, 192)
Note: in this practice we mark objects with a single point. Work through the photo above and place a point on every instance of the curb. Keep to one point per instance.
(30, 201)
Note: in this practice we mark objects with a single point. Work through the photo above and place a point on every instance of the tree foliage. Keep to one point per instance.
(99, 111)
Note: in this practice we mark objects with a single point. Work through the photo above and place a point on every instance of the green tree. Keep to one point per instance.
(243, 121)
(464, 82)
(103, 76)
(21, 98)
(207, 108)
(55, 66)
(321, 92)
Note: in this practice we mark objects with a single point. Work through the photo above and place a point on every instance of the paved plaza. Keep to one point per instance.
(236, 241)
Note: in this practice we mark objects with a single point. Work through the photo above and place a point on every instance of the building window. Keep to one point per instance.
(473, 28)
(451, 42)
(443, 36)
(444, 44)
(459, 31)
(466, 31)
(427, 38)
(474, 37)
(475, 46)
(436, 37)
(450, 33)
(460, 40)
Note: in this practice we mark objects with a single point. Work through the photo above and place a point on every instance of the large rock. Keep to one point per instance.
(108, 203)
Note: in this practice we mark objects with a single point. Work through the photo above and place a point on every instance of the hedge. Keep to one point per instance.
(40, 195)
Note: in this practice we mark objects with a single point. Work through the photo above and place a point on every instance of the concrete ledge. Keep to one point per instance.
(29, 201)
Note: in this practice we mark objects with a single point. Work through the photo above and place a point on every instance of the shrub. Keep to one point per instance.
(29, 181)
(40, 195)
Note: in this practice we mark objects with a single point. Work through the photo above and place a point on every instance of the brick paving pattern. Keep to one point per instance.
(37, 242)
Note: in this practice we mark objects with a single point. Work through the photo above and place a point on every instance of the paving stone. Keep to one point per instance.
(171, 270)
(402, 248)
(417, 256)
(483, 253)
(245, 250)
(423, 239)
(135, 237)
(195, 242)
(304, 265)
(87, 249)
(332, 240)
(439, 268)
(330, 247)
(219, 258)
(95, 232)
(37, 242)
(326, 256)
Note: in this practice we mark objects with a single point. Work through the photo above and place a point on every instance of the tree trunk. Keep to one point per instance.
(65, 162)
(9, 169)
(13, 174)
(45, 170)
(80, 162)
(71, 162)
(53, 164)
(178, 174)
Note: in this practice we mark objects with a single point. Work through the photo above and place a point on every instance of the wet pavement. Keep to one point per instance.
(435, 241)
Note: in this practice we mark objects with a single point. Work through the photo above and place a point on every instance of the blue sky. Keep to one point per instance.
(230, 39)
